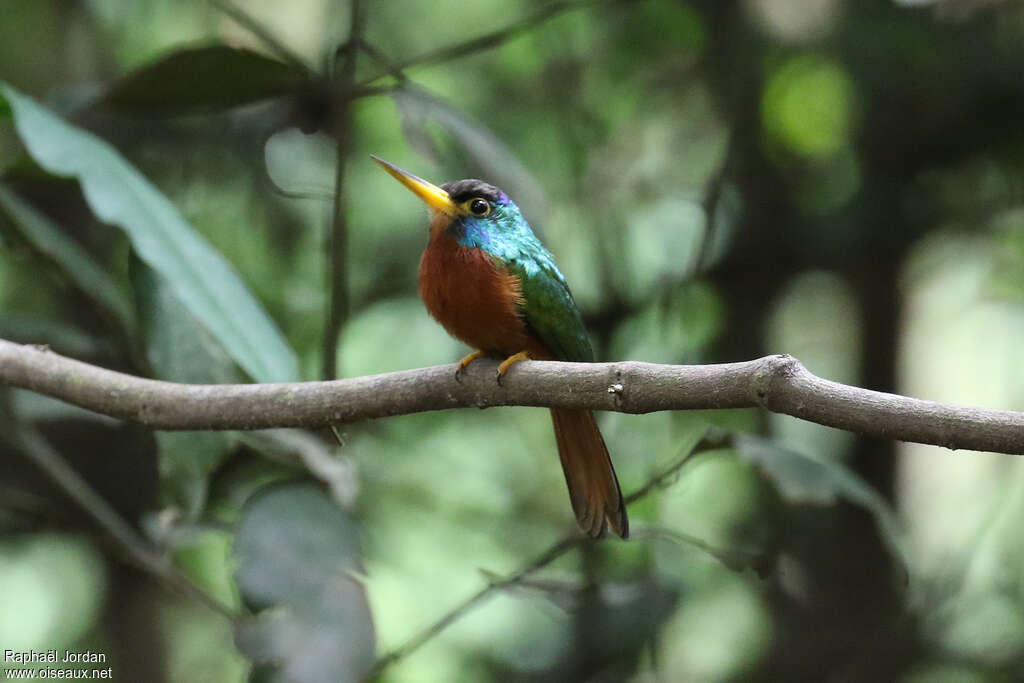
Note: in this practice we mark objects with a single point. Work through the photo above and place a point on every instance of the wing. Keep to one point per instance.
(548, 306)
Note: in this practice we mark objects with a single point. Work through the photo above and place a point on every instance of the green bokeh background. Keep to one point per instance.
(718, 180)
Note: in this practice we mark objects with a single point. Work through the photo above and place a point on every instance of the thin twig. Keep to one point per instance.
(732, 558)
(552, 553)
(138, 550)
(260, 32)
(708, 442)
(336, 246)
(378, 56)
(489, 40)
(777, 383)
(556, 550)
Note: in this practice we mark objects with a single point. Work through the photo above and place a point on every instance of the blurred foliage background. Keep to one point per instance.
(835, 179)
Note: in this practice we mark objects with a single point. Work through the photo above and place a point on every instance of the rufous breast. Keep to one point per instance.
(474, 298)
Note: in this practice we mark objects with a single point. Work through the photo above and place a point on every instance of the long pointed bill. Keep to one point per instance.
(435, 197)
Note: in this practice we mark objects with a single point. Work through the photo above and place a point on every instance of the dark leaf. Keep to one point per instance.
(293, 540)
(324, 638)
(204, 79)
(52, 243)
(60, 336)
(297, 553)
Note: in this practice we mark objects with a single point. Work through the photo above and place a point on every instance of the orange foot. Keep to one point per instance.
(464, 363)
(510, 361)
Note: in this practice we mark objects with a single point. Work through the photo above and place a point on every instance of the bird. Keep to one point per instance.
(488, 280)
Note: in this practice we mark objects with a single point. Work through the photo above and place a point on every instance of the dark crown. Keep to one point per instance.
(461, 190)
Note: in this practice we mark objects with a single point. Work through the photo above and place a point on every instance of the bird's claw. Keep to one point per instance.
(464, 363)
(509, 362)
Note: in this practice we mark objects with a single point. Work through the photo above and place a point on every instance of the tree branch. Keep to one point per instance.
(778, 383)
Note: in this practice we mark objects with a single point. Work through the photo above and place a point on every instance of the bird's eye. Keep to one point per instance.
(479, 207)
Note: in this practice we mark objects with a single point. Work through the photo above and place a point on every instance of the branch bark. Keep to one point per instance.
(777, 383)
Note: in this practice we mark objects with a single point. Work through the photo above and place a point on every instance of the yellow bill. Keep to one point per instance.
(435, 197)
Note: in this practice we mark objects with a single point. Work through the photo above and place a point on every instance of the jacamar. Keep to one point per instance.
(490, 282)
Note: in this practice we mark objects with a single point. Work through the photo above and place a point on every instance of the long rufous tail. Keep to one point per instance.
(593, 487)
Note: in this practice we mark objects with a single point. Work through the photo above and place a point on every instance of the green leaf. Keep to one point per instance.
(801, 477)
(60, 336)
(179, 349)
(185, 461)
(292, 541)
(326, 638)
(298, 553)
(53, 244)
(199, 276)
(312, 454)
(204, 555)
(210, 78)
